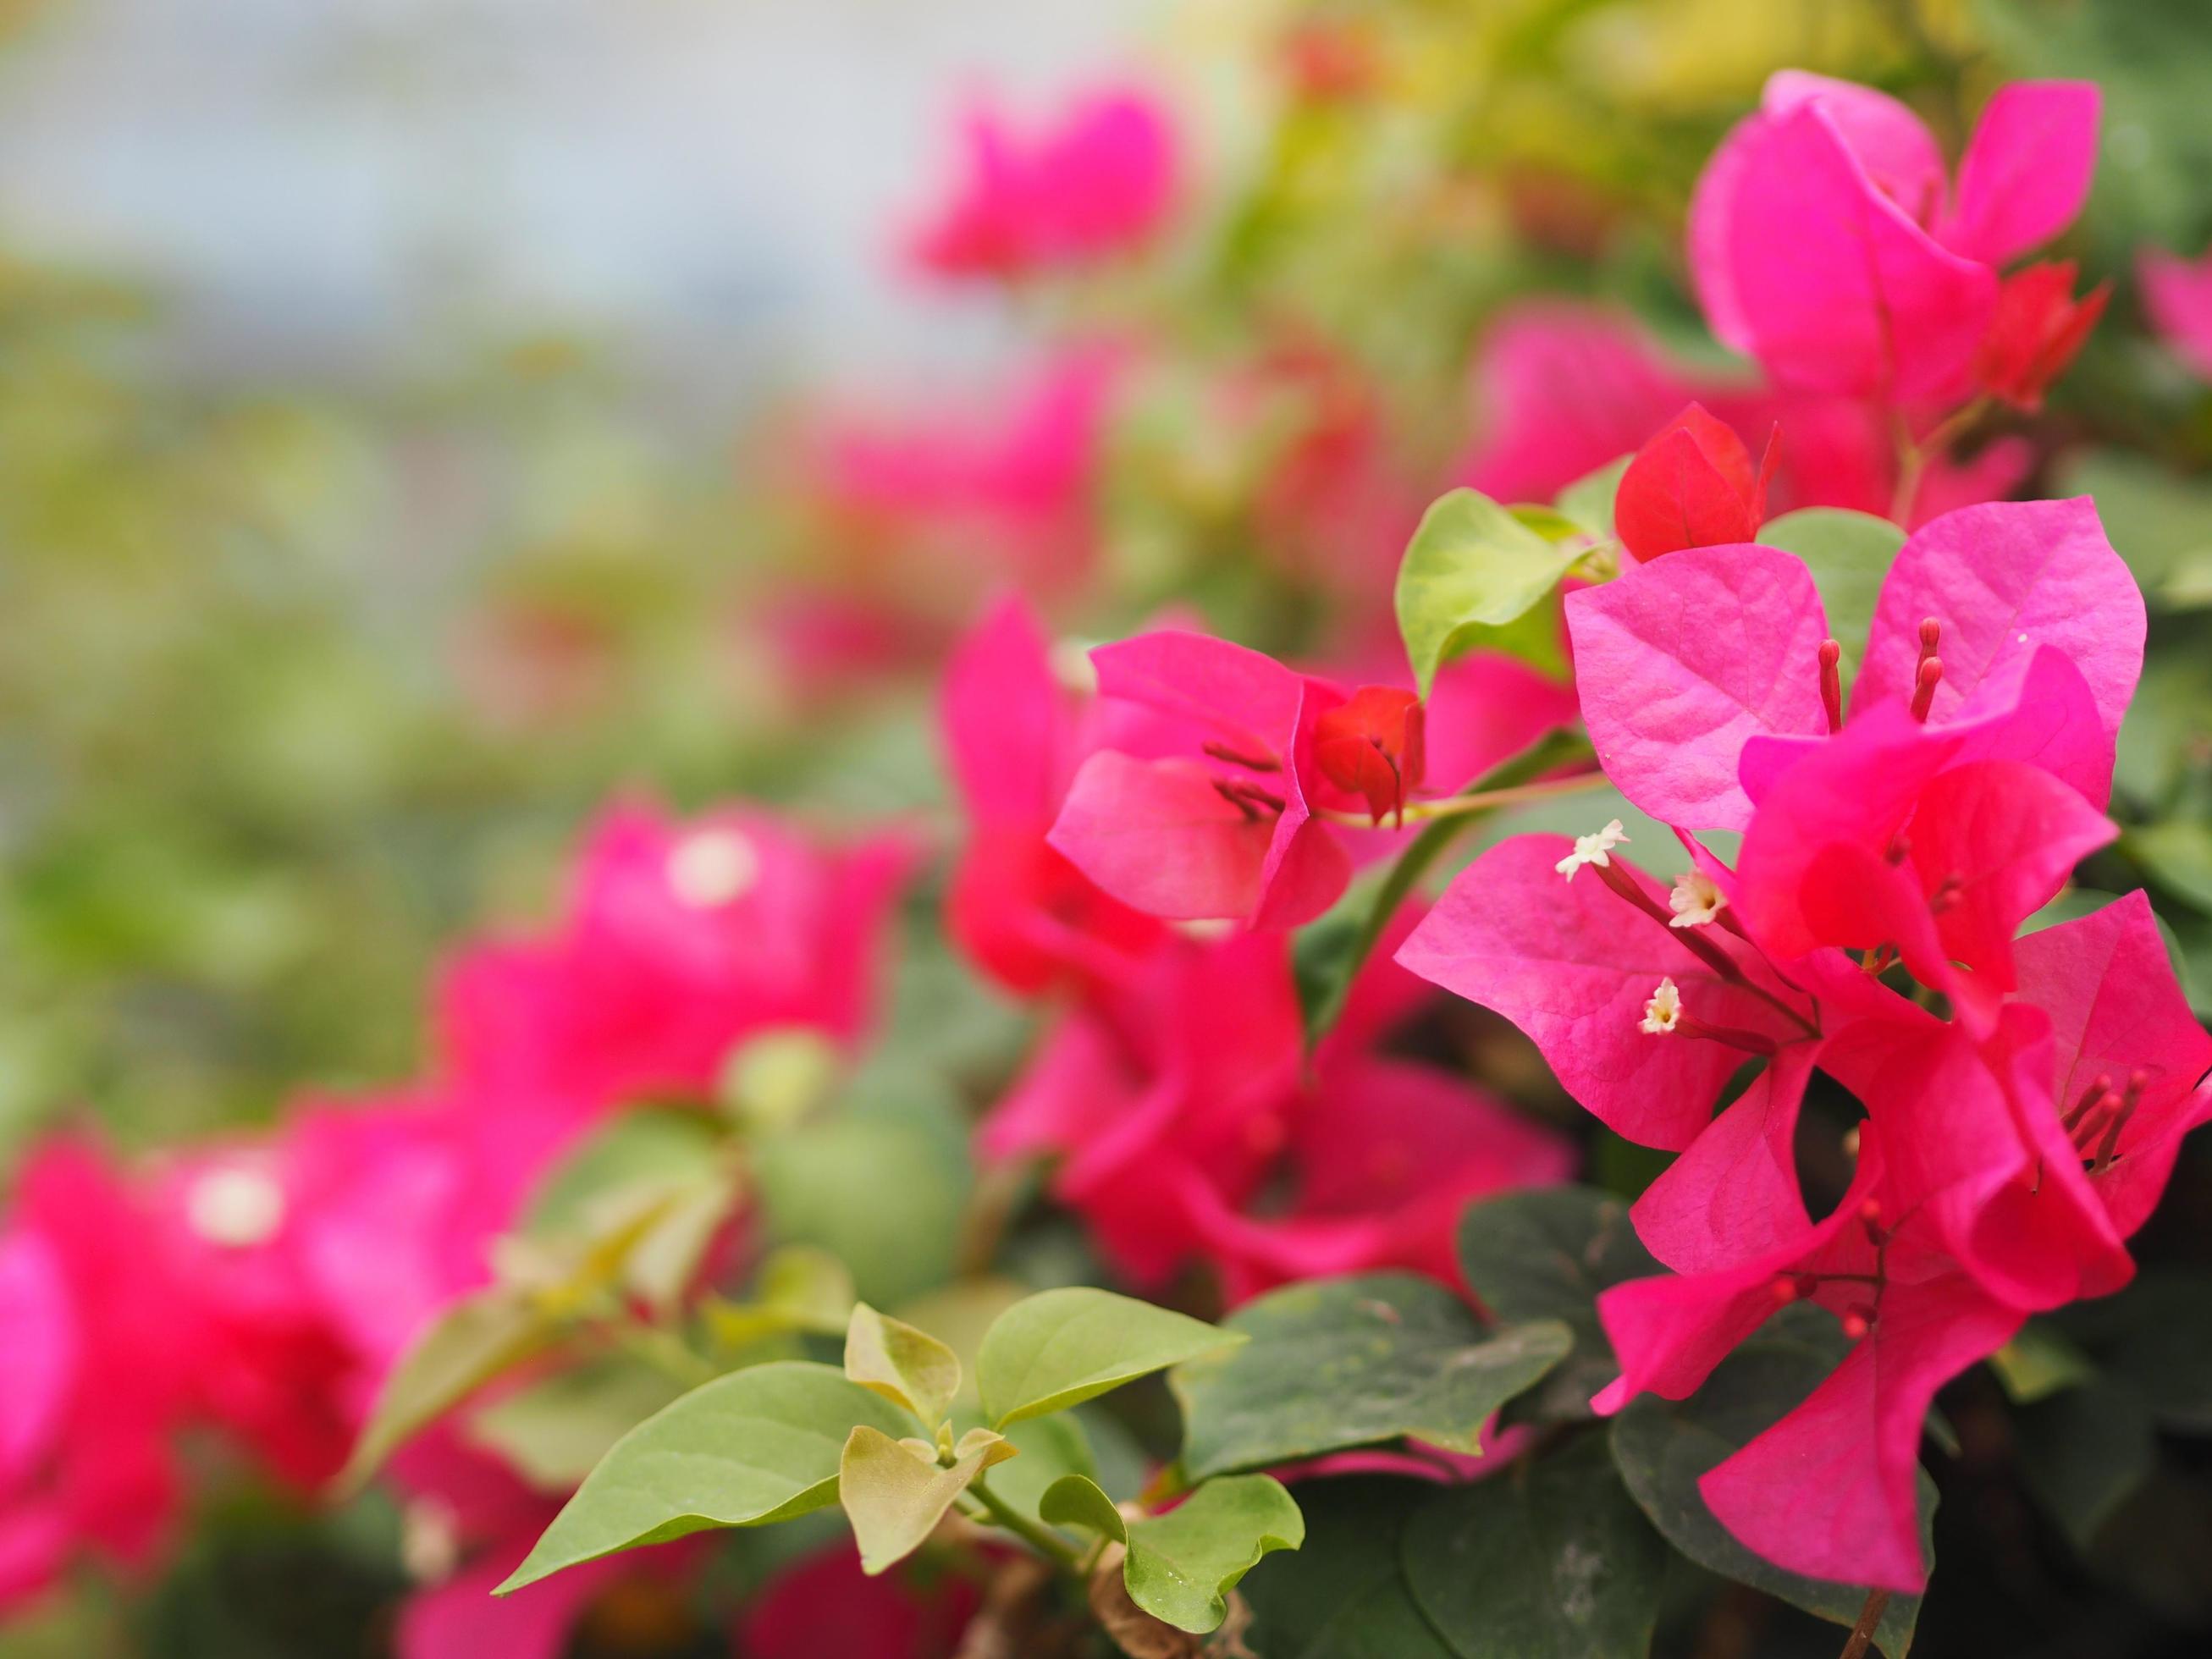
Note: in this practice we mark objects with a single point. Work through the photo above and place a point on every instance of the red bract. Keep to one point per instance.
(1826, 245)
(1014, 736)
(1691, 485)
(2038, 327)
(1101, 181)
(1172, 1107)
(1371, 745)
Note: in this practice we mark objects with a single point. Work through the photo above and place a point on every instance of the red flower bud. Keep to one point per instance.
(1371, 745)
(1690, 486)
(2035, 330)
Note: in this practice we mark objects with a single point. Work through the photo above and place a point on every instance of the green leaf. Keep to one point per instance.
(1551, 1560)
(637, 1151)
(895, 1492)
(1054, 1349)
(1471, 573)
(2165, 1346)
(798, 1289)
(1663, 1448)
(472, 1341)
(554, 1431)
(772, 1080)
(1337, 1363)
(1077, 1500)
(1545, 1253)
(907, 1367)
(2084, 1452)
(1344, 1595)
(758, 1445)
(1181, 1566)
(1588, 500)
(2158, 522)
(880, 1185)
(2039, 1361)
(2178, 854)
(1848, 555)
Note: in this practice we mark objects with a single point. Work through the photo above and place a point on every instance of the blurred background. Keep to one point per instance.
(423, 419)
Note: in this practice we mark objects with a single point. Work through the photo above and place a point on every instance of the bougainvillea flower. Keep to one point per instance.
(1003, 492)
(679, 939)
(2035, 332)
(2129, 1058)
(1691, 484)
(1372, 745)
(1014, 736)
(1823, 245)
(1574, 962)
(1870, 843)
(1100, 181)
(101, 1379)
(1225, 829)
(826, 1604)
(1704, 675)
(1564, 388)
(2178, 294)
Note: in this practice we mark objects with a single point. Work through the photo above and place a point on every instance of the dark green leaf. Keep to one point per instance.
(2084, 1451)
(1345, 1594)
(1337, 1363)
(1663, 1448)
(1550, 1561)
(1545, 1253)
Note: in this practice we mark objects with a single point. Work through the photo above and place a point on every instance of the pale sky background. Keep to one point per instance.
(336, 185)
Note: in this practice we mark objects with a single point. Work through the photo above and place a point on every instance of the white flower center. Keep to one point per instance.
(1663, 1012)
(1697, 899)
(1595, 848)
(713, 867)
(236, 1208)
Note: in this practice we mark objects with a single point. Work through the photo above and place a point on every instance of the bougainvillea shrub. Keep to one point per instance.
(1478, 929)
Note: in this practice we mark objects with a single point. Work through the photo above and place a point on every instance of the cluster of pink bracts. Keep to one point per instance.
(262, 1288)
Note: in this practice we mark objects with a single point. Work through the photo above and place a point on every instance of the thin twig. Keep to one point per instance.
(1877, 1603)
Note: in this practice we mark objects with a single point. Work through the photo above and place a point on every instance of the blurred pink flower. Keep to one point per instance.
(2178, 292)
(1100, 181)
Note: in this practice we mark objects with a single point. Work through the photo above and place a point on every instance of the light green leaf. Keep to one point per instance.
(772, 1080)
(471, 1342)
(1549, 1561)
(2039, 1362)
(1588, 500)
(1848, 555)
(1077, 1500)
(907, 1367)
(1181, 1566)
(1471, 573)
(798, 1289)
(1349, 1362)
(758, 1445)
(1663, 1448)
(1052, 1350)
(2178, 854)
(555, 1432)
(894, 1493)
(638, 1152)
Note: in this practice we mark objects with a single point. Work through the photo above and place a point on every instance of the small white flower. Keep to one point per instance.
(713, 867)
(1595, 848)
(236, 1207)
(1697, 899)
(1663, 1012)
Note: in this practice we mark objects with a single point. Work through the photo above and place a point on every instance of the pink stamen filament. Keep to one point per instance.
(1250, 799)
(1929, 672)
(1723, 965)
(1222, 752)
(1752, 1043)
(1831, 683)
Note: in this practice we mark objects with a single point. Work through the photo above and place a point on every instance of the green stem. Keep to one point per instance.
(1036, 1536)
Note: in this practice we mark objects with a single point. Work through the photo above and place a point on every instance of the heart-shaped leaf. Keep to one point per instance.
(1181, 1566)
(895, 1492)
(907, 1367)
(1472, 572)
(758, 1445)
(1663, 1448)
(1550, 1561)
(1348, 1362)
(1053, 1350)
